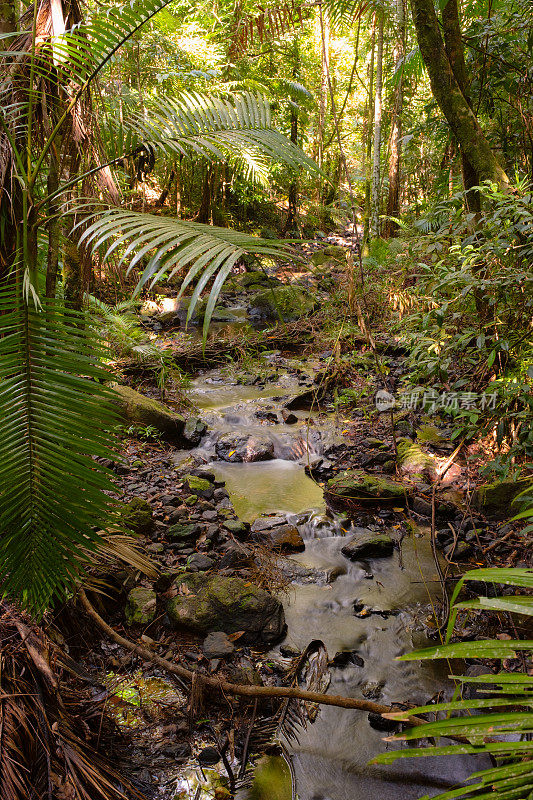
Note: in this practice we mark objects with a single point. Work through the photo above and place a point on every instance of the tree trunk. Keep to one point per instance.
(292, 216)
(323, 96)
(450, 98)
(204, 214)
(453, 43)
(393, 200)
(369, 132)
(375, 201)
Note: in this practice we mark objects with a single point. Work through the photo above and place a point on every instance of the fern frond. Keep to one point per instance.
(54, 419)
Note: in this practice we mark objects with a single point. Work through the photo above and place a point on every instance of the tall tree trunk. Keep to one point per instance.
(369, 133)
(453, 43)
(204, 214)
(393, 200)
(450, 98)
(324, 29)
(292, 216)
(378, 110)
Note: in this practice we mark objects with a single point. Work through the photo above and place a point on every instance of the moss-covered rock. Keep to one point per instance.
(496, 498)
(236, 527)
(140, 606)
(199, 486)
(137, 515)
(257, 278)
(330, 254)
(357, 486)
(194, 429)
(184, 532)
(207, 602)
(135, 407)
(287, 302)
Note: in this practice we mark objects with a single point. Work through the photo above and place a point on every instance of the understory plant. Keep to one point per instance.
(492, 712)
(471, 303)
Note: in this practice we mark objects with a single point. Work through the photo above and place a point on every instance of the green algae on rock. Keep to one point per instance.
(140, 606)
(357, 486)
(207, 602)
(137, 515)
(287, 302)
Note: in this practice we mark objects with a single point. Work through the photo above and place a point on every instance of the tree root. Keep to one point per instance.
(243, 690)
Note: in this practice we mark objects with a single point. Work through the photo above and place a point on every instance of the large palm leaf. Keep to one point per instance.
(239, 128)
(504, 711)
(54, 418)
(209, 253)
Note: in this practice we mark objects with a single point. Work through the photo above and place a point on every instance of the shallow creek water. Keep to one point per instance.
(330, 760)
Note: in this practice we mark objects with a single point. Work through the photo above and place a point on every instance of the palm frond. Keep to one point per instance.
(209, 253)
(239, 128)
(502, 712)
(55, 418)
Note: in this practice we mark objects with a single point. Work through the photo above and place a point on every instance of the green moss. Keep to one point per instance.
(196, 484)
(137, 515)
(140, 606)
(356, 485)
(285, 301)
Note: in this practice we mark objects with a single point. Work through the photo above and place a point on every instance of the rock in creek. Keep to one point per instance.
(236, 448)
(360, 487)
(201, 487)
(193, 431)
(140, 606)
(208, 603)
(277, 534)
(285, 302)
(368, 545)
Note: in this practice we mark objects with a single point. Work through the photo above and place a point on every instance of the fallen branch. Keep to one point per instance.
(243, 690)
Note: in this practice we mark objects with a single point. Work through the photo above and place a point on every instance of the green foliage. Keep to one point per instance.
(55, 419)
(473, 302)
(238, 130)
(209, 252)
(506, 707)
(119, 327)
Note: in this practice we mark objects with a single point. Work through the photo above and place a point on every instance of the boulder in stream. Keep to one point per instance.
(278, 534)
(236, 447)
(368, 545)
(287, 302)
(193, 431)
(207, 602)
(357, 486)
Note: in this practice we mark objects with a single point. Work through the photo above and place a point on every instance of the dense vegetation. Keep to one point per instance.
(159, 149)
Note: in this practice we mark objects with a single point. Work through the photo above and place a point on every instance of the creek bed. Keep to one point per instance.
(330, 758)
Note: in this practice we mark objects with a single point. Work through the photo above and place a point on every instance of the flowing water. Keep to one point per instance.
(375, 609)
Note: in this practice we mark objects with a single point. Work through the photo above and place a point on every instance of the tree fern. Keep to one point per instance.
(54, 418)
